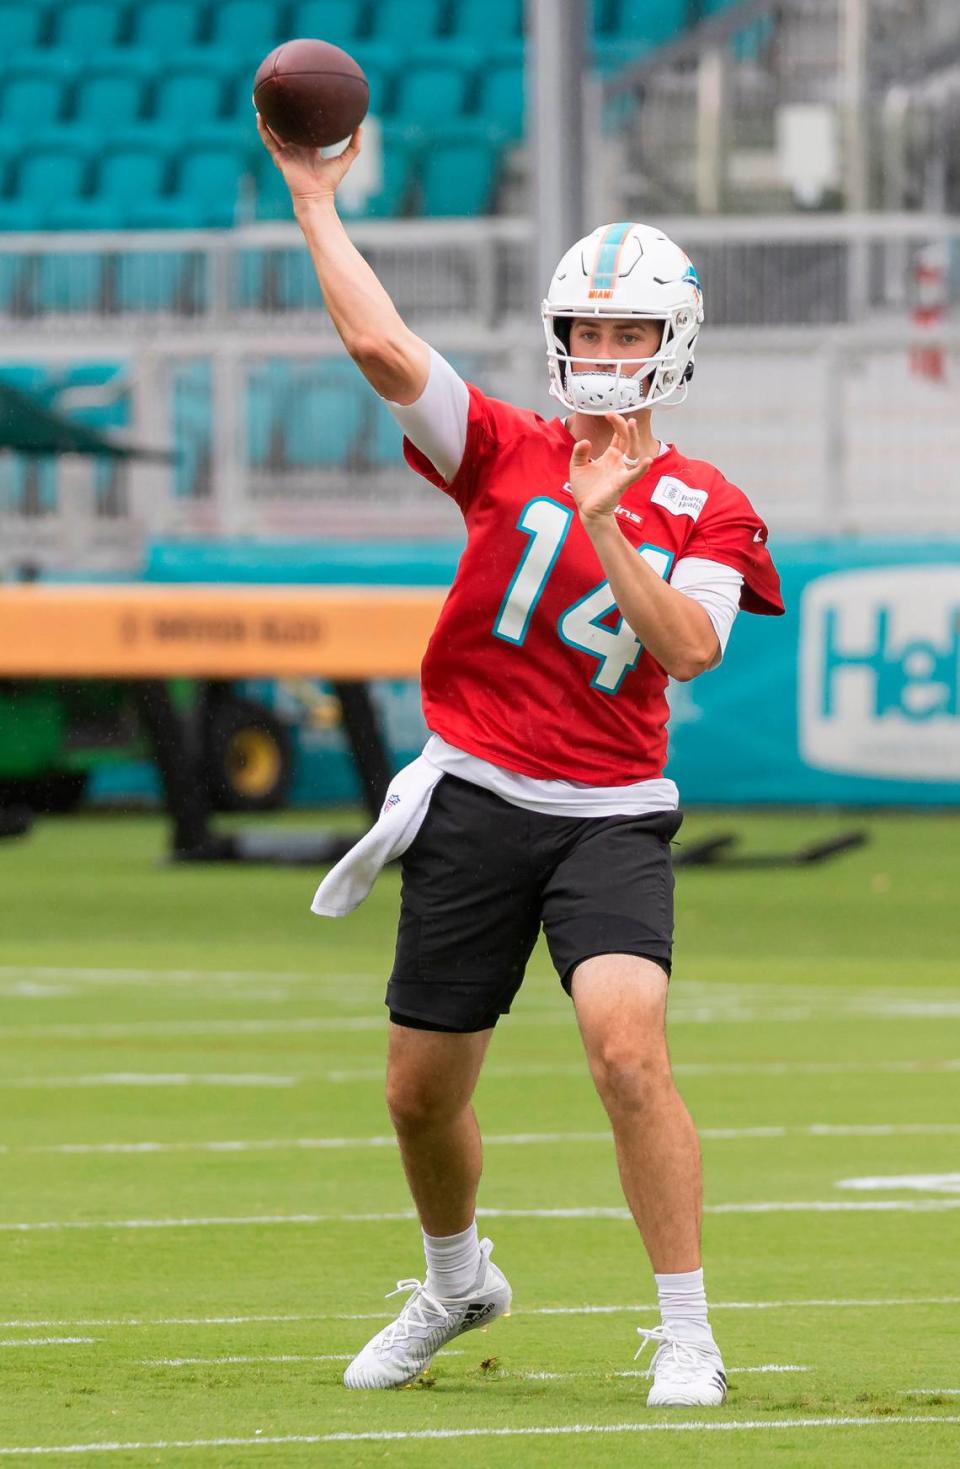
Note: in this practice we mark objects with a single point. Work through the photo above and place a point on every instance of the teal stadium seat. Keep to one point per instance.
(194, 85)
(502, 97)
(486, 21)
(85, 214)
(211, 173)
(88, 26)
(289, 288)
(69, 283)
(652, 21)
(193, 428)
(134, 167)
(303, 417)
(111, 92)
(339, 21)
(293, 281)
(16, 217)
(402, 146)
(21, 25)
(380, 64)
(325, 412)
(749, 42)
(247, 26)
(250, 287)
(167, 213)
(163, 26)
(111, 412)
(268, 390)
(436, 82)
(272, 195)
(169, 282)
(399, 22)
(34, 87)
(602, 16)
(459, 171)
(53, 170)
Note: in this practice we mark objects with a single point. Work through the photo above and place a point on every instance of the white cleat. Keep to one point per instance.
(685, 1374)
(405, 1348)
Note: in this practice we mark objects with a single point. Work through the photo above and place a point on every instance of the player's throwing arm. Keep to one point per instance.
(393, 359)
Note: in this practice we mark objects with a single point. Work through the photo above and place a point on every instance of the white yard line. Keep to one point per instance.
(837, 1206)
(643, 1372)
(685, 1068)
(945, 1392)
(137, 1321)
(923, 1182)
(285, 1357)
(167, 976)
(148, 1078)
(508, 1139)
(885, 1302)
(219, 1361)
(579, 1430)
(48, 1341)
(680, 1015)
(375, 1074)
(131, 1029)
(308, 1144)
(688, 991)
(791, 1206)
(630, 1308)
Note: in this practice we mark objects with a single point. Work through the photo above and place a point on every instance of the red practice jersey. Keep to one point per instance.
(531, 665)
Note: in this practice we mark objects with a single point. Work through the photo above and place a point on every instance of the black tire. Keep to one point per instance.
(15, 821)
(248, 757)
(55, 794)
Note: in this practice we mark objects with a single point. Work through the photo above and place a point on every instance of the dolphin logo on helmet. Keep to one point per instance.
(621, 271)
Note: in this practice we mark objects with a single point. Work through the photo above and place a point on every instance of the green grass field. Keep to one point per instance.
(202, 1211)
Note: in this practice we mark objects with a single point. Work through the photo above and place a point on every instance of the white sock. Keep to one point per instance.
(453, 1262)
(683, 1305)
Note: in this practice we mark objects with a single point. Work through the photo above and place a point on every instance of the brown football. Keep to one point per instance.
(311, 93)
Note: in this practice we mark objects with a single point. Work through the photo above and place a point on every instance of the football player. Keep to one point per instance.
(599, 563)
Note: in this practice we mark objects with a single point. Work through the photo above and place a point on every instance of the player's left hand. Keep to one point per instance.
(598, 485)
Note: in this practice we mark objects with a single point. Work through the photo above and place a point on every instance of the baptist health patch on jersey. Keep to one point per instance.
(678, 498)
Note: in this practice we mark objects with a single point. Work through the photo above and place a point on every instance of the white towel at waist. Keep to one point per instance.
(401, 817)
(408, 800)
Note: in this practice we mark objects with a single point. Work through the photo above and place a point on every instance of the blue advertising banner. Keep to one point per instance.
(853, 697)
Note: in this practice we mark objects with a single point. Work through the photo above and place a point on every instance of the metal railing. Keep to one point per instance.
(831, 431)
(809, 320)
(776, 269)
(72, 283)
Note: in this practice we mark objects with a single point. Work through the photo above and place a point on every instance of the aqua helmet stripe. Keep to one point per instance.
(604, 274)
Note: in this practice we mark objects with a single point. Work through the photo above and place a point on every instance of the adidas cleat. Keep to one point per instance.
(405, 1348)
(685, 1374)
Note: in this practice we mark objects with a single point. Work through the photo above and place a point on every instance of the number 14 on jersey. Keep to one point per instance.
(615, 648)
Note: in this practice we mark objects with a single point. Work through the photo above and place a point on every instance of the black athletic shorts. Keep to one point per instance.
(483, 875)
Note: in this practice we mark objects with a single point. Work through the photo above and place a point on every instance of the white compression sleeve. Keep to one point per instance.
(437, 422)
(716, 587)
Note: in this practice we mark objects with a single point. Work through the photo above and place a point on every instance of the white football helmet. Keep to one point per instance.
(622, 271)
